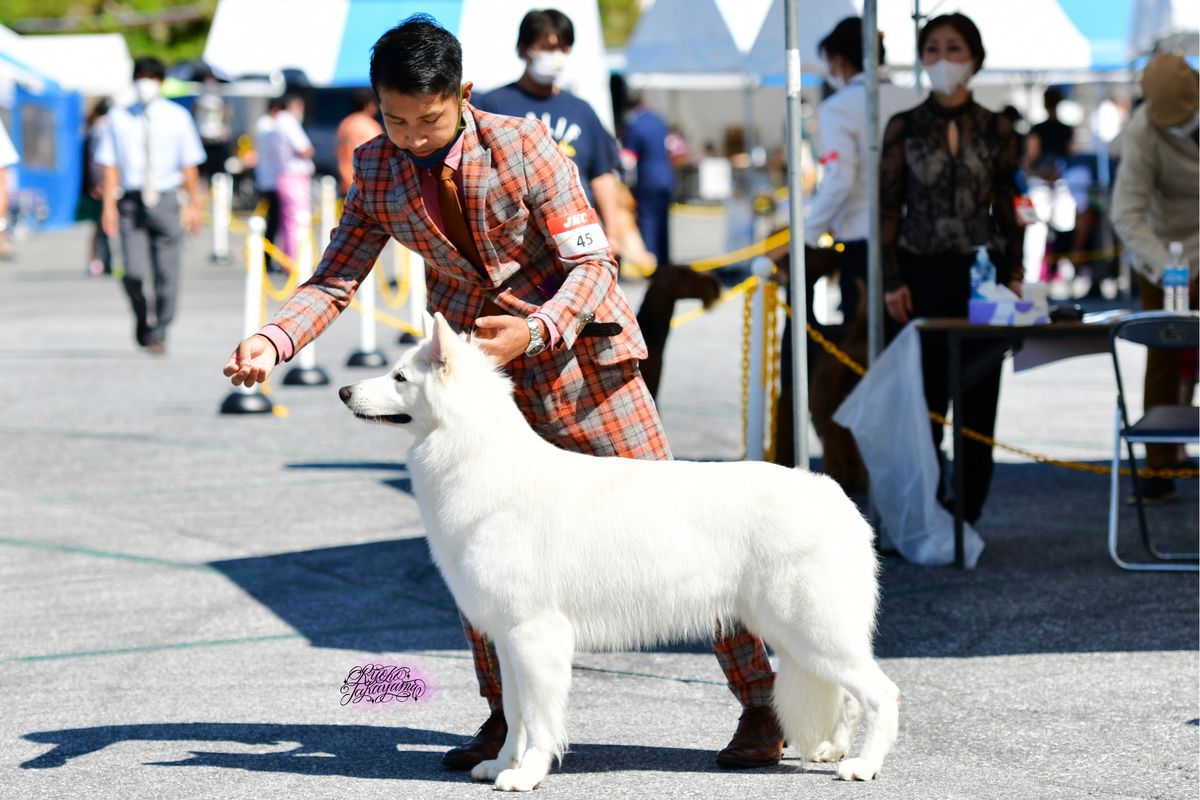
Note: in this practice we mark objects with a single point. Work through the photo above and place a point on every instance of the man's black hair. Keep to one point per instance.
(361, 98)
(417, 57)
(290, 96)
(537, 24)
(149, 67)
(846, 40)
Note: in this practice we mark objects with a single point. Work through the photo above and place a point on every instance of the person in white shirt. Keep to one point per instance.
(149, 151)
(266, 169)
(294, 183)
(8, 157)
(841, 205)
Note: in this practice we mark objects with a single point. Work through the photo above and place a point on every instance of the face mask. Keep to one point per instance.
(433, 159)
(946, 76)
(546, 66)
(836, 81)
(1186, 129)
(147, 89)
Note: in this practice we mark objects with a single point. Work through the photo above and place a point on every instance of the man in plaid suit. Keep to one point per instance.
(515, 254)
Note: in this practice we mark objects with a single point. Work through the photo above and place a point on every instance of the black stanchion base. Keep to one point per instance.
(362, 358)
(242, 403)
(216, 259)
(306, 376)
(407, 338)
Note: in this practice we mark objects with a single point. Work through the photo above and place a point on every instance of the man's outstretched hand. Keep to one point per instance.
(252, 361)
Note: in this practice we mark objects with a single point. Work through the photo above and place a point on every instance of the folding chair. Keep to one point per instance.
(1160, 425)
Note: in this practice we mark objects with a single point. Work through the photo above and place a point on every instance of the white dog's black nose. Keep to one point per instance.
(345, 393)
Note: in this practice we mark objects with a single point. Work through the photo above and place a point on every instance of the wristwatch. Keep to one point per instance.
(536, 343)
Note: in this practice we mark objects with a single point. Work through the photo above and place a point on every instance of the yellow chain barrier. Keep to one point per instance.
(386, 295)
(1095, 469)
(750, 284)
(772, 350)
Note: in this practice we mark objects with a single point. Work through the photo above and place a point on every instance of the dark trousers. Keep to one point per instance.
(151, 239)
(941, 287)
(852, 268)
(653, 210)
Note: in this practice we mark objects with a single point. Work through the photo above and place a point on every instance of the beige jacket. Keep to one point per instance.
(1156, 199)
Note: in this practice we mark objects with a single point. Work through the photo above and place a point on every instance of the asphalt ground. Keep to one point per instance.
(183, 593)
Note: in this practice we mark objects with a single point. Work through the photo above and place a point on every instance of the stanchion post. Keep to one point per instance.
(368, 353)
(417, 303)
(757, 395)
(306, 372)
(243, 400)
(328, 212)
(221, 189)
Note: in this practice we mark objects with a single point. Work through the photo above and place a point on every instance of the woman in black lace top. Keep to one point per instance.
(947, 183)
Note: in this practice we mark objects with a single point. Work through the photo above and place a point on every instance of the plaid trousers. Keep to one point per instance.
(614, 415)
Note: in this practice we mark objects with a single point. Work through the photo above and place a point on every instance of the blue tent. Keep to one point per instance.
(46, 127)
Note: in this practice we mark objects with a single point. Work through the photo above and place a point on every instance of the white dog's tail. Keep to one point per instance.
(807, 706)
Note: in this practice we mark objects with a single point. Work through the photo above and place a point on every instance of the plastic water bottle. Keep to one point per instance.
(982, 271)
(1175, 280)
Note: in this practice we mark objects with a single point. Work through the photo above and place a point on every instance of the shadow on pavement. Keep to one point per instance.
(356, 751)
(378, 597)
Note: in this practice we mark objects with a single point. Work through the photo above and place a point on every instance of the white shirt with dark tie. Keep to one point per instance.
(162, 130)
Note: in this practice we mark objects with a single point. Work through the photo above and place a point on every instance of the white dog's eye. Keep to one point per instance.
(399, 377)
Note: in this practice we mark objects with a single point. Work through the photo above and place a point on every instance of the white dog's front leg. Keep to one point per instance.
(540, 652)
(514, 742)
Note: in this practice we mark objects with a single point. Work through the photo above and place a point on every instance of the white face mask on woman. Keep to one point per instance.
(546, 66)
(946, 76)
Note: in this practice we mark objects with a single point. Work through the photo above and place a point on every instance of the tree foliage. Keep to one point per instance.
(618, 18)
(172, 41)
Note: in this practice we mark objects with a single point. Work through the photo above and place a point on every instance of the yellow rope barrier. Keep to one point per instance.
(757, 249)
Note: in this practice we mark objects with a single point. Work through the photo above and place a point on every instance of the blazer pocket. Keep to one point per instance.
(506, 239)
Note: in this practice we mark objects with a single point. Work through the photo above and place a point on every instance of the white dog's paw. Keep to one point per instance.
(515, 780)
(489, 770)
(857, 769)
(827, 752)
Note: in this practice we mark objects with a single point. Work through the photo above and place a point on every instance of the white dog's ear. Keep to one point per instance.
(444, 341)
(426, 323)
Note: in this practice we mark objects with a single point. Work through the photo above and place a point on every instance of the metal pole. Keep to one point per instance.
(874, 254)
(306, 372)
(417, 302)
(328, 210)
(799, 282)
(916, 35)
(243, 399)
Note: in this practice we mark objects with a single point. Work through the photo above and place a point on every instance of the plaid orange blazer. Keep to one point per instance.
(515, 179)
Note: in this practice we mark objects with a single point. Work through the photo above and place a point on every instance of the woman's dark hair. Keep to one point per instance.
(536, 24)
(846, 40)
(965, 28)
(417, 57)
(149, 67)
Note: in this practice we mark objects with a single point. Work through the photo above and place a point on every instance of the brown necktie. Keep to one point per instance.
(453, 218)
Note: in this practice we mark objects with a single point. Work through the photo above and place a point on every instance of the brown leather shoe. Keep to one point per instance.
(484, 746)
(757, 742)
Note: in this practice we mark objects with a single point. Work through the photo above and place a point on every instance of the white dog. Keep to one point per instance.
(548, 551)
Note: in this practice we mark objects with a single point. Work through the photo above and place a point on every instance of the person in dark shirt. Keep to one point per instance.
(947, 185)
(646, 135)
(1050, 141)
(544, 41)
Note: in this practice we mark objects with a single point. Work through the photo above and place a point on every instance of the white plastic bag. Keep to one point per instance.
(889, 418)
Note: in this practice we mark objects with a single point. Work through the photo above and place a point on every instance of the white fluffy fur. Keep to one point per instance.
(548, 551)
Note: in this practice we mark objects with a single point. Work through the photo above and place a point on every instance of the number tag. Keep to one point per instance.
(578, 233)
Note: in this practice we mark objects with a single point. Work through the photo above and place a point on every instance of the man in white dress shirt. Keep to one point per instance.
(149, 151)
(841, 204)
